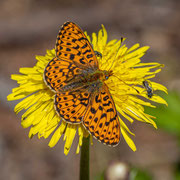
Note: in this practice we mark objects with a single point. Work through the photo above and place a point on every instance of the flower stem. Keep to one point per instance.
(84, 159)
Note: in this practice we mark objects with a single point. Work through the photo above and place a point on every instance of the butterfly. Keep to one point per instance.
(148, 89)
(81, 93)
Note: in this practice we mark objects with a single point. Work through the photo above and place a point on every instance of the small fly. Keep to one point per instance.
(148, 89)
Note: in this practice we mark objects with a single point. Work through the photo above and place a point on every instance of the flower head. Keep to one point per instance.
(125, 85)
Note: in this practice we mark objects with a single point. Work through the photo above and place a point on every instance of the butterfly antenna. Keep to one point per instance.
(126, 83)
(116, 54)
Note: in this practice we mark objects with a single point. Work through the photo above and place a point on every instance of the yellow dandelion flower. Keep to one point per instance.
(128, 82)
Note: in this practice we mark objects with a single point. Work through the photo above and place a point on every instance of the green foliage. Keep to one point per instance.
(177, 172)
(100, 176)
(138, 174)
(168, 118)
(177, 176)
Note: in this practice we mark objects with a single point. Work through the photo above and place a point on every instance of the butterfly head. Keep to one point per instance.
(107, 74)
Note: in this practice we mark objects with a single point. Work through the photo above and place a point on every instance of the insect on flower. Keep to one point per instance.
(82, 95)
(84, 89)
(148, 88)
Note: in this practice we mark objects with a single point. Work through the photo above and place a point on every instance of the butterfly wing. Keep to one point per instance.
(72, 105)
(72, 44)
(101, 118)
(58, 72)
(74, 56)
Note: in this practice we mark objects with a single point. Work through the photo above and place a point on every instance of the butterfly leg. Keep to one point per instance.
(132, 86)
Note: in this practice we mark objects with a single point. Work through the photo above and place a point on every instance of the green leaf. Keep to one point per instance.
(168, 118)
(139, 174)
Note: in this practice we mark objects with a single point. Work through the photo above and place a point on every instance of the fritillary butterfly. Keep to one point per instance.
(82, 95)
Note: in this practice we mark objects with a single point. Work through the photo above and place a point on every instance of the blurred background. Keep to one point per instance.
(29, 27)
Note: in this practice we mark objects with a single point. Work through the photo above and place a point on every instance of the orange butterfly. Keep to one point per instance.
(81, 93)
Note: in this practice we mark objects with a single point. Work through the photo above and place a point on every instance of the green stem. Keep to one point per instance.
(84, 160)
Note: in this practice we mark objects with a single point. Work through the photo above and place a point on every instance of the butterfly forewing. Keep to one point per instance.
(58, 72)
(101, 118)
(72, 44)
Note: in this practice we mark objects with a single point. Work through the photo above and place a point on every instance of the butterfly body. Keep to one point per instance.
(85, 79)
(82, 95)
(98, 75)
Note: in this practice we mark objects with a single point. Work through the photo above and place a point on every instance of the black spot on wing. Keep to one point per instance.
(107, 104)
(89, 56)
(77, 47)
(96, 99)
(84, 46)
(71, 56)
(93, 111)
(103, 115)
(67, 49)
(88, 50)
(82, 61)
(95, 120)
(106, 98)
(100, 108)
(110, 110)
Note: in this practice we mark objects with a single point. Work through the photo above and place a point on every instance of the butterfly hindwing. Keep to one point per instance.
(101, 118)
(71, 106)
(72, 44)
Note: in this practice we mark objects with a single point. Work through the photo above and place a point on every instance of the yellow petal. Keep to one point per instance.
(102, 38)
(88, 37)
(49, 131)
(94, 41)
(123, 125)
(111, 43)
(16, 95)
(135, 46)
(27, 102)
(158, 99)
(80, 132)
(57, 135)
(18, 77)
(70, 134)
(141, 115)
(128, 140)
(123, 114)
(157, 86)
(28, 71)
